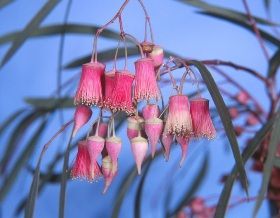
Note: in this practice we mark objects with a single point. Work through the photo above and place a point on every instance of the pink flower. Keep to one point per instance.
(109, 172)
(121, 99)
(102, 129)
(82, 163)
(252, 120)
(89, 91)
(242, 97)
(167, 140)
(202, 122)
(145, 80)
(184, 142)
(81, 117)
(113, 147)
(109, 84)
(157, 55)
(134, 125)
(150, 111)
(179, 120)
(153, 129)
(139, 146)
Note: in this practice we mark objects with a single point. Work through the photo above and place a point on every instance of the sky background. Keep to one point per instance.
(177, 28)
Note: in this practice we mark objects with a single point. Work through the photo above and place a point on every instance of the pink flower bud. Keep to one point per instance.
(242, 97)
(202, 122)
(179, 120)
(134, 125)
(108, 88)
(89, 91)
(252, 120)
(113, 146)
(197, 205)
(153, 129)
(109, 172)
(157, 55)
(184, 142)
(121, 99)
(238, 130)
(102, 129)
(167, 140)
(233, 112)
(139, 146)
(145, 87)
(81, 166)
(81, 117)
(150, 111)
(95, 145)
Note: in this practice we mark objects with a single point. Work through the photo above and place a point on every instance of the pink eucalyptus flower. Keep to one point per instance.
(145, 80)
(108, 88)
(150, 111)
(242, 97)
(153, 129)
(166, 140)
(184, 142)
(252, 120)
(202, 122)
(95, 145)
(139, 146)
(157, 55)
(81, 117)
(109, 172)
(121, 99)
(89, 91)
(179, 120)
(134, 125)
(113, 147)
(233, 112)
(82, 163)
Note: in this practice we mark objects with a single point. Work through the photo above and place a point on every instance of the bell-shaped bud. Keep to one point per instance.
(202, 122)
(153, 129)
(102, 129)
(109, 172)
(139, 146)
(81, 117)
(113, 147)
(89, 91)
(134, 125)
(157, 55)
(167, 140)
(150, 111)
(184, 142)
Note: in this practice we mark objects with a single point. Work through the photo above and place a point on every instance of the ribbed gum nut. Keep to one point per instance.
(109, 172)
(167, 140)
(81, 117)
(153, 129)
(113, 146)
(184, 142)
(157, 55)
(102, 129)
(89, 91)
(134, 125)
(150, 111)
(139, 146)
(147, 47)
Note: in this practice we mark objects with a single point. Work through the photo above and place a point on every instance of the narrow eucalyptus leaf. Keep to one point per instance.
(274, 64)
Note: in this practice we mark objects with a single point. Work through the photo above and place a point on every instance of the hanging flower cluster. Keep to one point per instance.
(120, 90)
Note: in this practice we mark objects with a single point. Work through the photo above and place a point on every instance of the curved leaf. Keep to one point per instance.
(70, 28)
(246, 154)
(33, 24)
(23, 157)
(50, 103)
(274, 64)
(4, 3)
(225, 118)
(269, 162)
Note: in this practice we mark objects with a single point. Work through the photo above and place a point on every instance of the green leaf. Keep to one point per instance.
(11, 119)
(225, 118)
(269, 162)
(16, 136)
(52, 30)
(246, 154)
(4, 3)
(228, 13)
(50, 103)
(138, 197)
(277, 162)
(33, 24)
(23, 157)
(193, 187)
(274, 64)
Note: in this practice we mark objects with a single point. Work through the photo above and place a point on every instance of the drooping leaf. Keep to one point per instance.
(4, 3)
(277, 162)
(53, 30)
(31, 26)
(229, 13)
(50, 103)
(269, 163)
(225, 118)
(274, 64)
(23, 157)
(246, 154)
(195, 184)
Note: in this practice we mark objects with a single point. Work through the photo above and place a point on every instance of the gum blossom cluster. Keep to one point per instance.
(120, 91)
